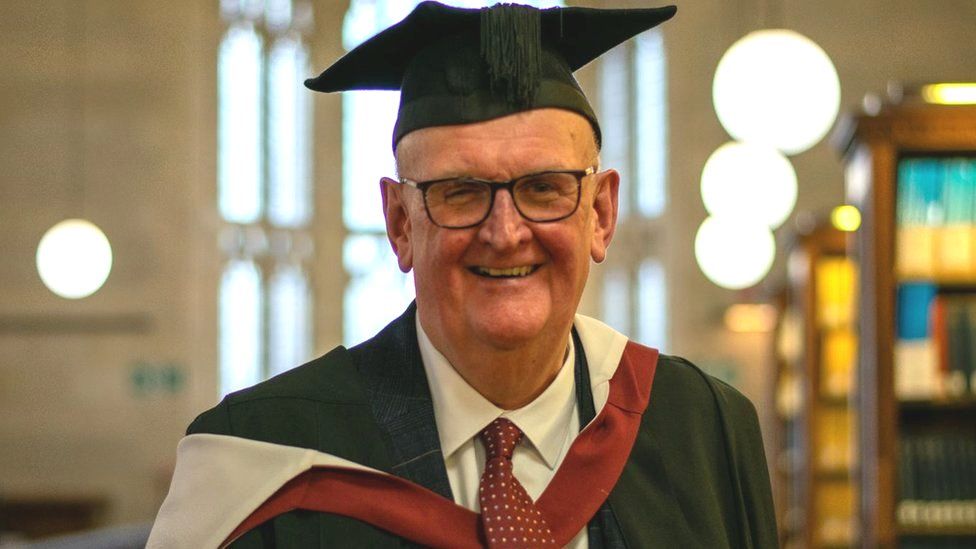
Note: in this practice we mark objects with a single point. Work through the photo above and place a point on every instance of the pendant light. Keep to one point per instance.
(777, 93)
(778, 88)
(74, 257)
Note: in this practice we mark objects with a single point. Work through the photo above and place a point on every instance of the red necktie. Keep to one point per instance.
(508, 515)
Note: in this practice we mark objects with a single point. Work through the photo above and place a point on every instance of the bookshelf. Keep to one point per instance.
(816, 343)
(911, 170)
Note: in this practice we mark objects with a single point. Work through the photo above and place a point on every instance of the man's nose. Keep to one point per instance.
(505, 228)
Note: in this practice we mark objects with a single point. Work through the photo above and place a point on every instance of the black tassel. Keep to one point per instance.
(511, 46)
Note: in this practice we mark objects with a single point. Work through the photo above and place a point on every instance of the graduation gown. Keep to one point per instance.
(695, 477)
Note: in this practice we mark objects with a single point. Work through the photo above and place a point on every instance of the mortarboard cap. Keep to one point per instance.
(460, 66)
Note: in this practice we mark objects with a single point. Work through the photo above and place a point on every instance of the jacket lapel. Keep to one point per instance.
(396, 385)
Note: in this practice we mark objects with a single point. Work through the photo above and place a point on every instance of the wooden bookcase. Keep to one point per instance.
(877, 149)
(816, 461)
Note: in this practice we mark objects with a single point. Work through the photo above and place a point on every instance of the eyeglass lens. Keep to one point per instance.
(539, 197)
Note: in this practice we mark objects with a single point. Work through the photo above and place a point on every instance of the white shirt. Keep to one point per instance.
(550, 423)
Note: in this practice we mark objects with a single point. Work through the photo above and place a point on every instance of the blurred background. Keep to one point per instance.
(227, 227)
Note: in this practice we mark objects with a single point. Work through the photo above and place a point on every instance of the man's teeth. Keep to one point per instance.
(514, 271)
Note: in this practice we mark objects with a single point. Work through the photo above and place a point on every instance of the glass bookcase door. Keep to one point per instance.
(935, 348)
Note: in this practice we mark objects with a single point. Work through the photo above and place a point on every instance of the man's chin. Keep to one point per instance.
(507, 341)
(512, 330)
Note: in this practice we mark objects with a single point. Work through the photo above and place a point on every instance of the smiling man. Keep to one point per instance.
(489, 413)
(499, 271)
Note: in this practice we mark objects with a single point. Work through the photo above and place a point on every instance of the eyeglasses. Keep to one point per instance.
(462, 202)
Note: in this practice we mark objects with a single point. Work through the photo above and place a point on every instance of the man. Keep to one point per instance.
(489, 414)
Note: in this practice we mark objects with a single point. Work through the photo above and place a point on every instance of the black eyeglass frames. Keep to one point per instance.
(462, 202)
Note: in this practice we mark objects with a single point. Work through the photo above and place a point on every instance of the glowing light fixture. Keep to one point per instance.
(74, 258)
(956, 93)
(776, 87)
(846, 218)
(749, 181)
(789, 340)
(789, 394)
(734, 253)
(750, 317)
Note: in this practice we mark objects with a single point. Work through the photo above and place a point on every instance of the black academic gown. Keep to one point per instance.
(696, 476)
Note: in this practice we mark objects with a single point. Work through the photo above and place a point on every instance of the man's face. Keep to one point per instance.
(457, 300)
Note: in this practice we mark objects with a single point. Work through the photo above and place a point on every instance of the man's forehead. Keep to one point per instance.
(551, 134)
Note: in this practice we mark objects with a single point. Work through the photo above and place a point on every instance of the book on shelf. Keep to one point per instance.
(936, 218)
(937, 480)
(836, 291)
(835, 504)
(916, 365)
(834, 440)
(838, 351)
(935, 349)
(955, 242)
(954, 323)
(941, 541)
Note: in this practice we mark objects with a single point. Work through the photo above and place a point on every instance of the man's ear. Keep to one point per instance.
(604, 213)
(398, 223)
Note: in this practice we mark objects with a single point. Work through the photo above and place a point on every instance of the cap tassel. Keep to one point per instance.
(511, 46)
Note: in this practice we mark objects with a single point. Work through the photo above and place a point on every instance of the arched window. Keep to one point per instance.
(263, 190)
(633, 116)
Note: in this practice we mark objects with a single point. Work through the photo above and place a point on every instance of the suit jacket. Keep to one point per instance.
(696, 476)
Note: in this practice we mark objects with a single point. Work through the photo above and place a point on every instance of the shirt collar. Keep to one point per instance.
(461, 412)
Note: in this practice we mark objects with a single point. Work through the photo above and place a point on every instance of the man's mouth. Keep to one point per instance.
(511, 272)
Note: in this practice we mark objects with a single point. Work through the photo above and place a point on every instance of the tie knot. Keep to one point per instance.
(500, 438)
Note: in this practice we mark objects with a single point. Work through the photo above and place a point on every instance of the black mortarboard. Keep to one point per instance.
(459, 66)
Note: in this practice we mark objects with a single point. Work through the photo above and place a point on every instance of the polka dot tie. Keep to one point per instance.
(508, 515)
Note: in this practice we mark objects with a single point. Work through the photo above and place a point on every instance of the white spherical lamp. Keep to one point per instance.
(776, 87)
(734, 253)
(750, 181)
(74, 258)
